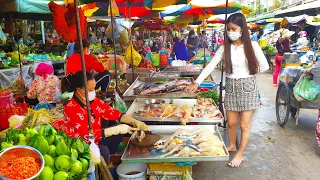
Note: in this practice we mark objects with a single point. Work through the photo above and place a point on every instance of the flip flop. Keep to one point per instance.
(235, 163)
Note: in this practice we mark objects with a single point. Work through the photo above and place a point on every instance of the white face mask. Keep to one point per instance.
(234, 35)
(91, 95)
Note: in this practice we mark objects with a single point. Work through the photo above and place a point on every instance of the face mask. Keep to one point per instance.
(20, 41)
(234, 35)
(91, 95)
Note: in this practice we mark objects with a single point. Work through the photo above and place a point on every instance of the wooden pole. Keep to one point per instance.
(83, 66)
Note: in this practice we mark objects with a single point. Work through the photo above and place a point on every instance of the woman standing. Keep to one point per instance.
(283, 46)
(243, 59)
(193, 43)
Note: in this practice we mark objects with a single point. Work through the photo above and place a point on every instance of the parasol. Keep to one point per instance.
(216, 19)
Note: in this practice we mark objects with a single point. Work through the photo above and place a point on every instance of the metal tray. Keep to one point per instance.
(167, 131)
(193, 68)
(139, 104)
(157, 75)
(128, 95)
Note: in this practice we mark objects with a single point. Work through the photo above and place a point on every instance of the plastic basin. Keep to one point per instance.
(124, 169)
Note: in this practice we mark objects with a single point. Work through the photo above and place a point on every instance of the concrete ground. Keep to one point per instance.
(273, 152)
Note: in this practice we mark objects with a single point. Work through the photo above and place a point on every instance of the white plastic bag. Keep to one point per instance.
(95, 155)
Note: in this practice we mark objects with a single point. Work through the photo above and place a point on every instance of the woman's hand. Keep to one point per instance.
(191, 89)
(131, 121)
(141, 125)
(120, 129)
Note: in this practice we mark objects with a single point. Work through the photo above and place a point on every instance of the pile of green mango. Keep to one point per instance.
(65, 157)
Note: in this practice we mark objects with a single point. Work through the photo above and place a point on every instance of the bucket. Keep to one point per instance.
(5, 99)
(155, 58)
(124, 169)
(164, 58)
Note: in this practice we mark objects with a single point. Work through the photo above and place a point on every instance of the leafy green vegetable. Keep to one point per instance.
(22, 139)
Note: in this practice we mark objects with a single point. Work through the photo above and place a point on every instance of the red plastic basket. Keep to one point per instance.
(12, 109)
(5, 98)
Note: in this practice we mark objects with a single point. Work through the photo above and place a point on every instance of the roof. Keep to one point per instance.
(302, 7)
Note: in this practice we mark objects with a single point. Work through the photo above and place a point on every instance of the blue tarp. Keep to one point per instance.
(26, 6)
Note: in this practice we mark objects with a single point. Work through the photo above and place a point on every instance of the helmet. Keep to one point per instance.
(303, 33)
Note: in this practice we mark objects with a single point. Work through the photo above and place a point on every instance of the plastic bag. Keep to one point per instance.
(15, 121)
(3, 37)
(95, 155)
(306, 89)
(42, 105)
(124, 37)
(120, 105)
(36, 118)
(136, 57)
(116, 31)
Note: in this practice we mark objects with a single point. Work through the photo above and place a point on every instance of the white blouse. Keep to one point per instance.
(239, 63)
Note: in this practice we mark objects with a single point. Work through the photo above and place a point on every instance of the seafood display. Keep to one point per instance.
(176, 143)
(166, 75)
(187, 143)
(203, 108)
(166, 87)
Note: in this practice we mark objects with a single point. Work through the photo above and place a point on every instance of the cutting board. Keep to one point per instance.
(148, 141)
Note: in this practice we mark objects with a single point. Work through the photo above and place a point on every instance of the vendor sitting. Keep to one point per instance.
(24, 48)
(102, 76)
(302, 41)
(102, 115)
(46, 87)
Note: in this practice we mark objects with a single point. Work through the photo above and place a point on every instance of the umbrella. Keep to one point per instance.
(200, 7)
(271, 20)
(160, 4)
(217, 19)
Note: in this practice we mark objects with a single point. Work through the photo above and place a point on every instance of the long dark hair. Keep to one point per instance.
(252, 62)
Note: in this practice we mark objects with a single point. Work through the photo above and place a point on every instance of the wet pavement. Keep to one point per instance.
(273, 152)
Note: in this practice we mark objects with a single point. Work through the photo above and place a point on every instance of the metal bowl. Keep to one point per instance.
(149, 102)
(28, 151)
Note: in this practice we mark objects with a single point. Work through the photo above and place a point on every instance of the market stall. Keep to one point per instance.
(192, 143)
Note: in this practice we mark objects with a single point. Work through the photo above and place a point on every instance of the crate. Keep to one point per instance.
(154, 177)
(168, 167)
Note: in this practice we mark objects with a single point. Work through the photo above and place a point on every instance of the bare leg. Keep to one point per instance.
(245, 124)
(233, 118)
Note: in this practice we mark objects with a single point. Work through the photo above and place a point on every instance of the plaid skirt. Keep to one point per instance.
(241, 94)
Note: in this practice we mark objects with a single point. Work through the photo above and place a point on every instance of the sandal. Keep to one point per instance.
(235, 163)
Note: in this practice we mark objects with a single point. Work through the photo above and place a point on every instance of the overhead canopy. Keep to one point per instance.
(271, 20)
(27, 9)
(204, 8)
(308, 8)
(26, 6)
(295, 19)
(262, 16)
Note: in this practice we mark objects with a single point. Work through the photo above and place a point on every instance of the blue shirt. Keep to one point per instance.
(181, 51)
(70, 49)
(254, 37)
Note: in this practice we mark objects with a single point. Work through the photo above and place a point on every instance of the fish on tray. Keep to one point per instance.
(172, 86)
